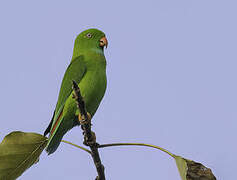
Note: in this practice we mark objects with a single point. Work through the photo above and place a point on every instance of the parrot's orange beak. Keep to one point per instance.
(103, 42)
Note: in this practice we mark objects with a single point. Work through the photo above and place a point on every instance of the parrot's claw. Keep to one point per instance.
(88, 141)
(82, 119)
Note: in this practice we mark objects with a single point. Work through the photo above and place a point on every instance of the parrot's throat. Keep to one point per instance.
(82, 51)
(98, 50)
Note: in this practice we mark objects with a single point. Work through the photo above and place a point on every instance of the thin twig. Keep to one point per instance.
(89, 136)
(137, 144)
(75, 145)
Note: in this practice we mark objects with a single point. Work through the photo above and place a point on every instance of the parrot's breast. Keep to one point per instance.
(93, 86)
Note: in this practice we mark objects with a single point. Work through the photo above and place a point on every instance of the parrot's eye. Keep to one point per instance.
(89, 35)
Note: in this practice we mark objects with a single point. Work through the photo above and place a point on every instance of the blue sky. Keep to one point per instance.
(171, 68)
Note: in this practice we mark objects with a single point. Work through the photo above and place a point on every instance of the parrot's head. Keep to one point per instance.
(90, 39)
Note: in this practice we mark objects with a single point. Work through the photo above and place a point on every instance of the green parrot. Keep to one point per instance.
(88, 69)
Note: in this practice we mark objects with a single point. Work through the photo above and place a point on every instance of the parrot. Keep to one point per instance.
(88, 69)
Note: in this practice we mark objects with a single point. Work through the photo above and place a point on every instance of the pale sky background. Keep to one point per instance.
(172, 72)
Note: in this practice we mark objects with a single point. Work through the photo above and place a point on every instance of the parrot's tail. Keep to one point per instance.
(55, 138)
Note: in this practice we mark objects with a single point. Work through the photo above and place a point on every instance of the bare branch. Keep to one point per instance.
(89, 136)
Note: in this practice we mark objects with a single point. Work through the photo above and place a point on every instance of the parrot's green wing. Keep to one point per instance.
(75, 71)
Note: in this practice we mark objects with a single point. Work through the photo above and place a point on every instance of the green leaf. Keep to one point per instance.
(18, 152)
(191, 170)
(182, 167)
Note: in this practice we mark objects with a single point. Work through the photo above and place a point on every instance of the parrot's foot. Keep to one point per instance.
(91, 141)
(83, 120)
